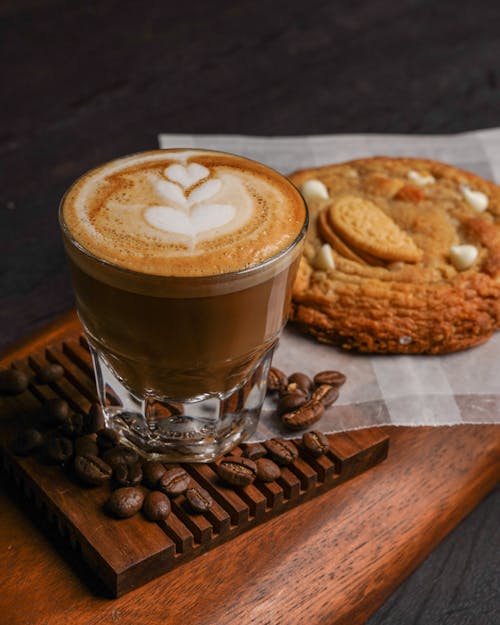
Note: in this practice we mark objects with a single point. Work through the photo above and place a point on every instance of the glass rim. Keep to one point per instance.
(239, 273)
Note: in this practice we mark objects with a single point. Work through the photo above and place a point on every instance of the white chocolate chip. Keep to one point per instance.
(420, 179)
(324, 258)
(314, 190)
(477, 199)
(463, 256)
(405, 340)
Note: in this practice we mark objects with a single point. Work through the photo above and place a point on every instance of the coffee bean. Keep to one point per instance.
(55, 411)
(152, 472)
(156, 506)
(86, 445)
(199, 499)
(13, 381)
(236, 470)
(291, 401)
(303, 417)
(120, 455)
(95, 419)
(333, 378)
(276, 380)
(128, 474)
(57, 449)
(325, 394)
(73, 425)
(254, 451)
(303, 381)
(125, 502)
(91, 469)
(174, 481)
(107, 438)
(267, 470)
(282, 451)
(316, 443)
(26, 442)
(293, 388)
(50, 373)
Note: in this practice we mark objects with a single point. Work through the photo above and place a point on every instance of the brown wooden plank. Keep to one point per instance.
(103, 543)
(79, 356)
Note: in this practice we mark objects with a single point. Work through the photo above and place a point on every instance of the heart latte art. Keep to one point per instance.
(183, 212)
(191, 213)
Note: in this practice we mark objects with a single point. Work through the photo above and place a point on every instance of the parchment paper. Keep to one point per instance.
(380, 390)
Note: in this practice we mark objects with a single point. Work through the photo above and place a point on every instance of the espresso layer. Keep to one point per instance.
(183, 213)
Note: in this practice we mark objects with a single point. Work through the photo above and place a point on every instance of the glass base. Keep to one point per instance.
(171, 431)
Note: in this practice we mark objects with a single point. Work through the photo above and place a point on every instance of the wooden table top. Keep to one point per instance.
(85, 82)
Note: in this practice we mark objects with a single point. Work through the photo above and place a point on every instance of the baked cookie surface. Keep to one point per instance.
(402, 256)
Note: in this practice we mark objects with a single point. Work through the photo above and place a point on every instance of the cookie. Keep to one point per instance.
(402, 256)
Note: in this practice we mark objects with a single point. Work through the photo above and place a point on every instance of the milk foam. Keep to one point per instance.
(183, 212)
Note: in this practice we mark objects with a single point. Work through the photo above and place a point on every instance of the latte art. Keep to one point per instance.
(188, 211)
(183, 213)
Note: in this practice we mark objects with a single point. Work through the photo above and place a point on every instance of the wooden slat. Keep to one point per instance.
(126, 553)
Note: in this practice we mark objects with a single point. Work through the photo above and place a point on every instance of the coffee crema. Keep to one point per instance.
(183, 213)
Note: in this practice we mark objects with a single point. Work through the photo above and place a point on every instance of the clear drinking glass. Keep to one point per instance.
(181, 362)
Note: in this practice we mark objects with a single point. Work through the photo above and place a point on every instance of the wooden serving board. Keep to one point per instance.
(125, 554)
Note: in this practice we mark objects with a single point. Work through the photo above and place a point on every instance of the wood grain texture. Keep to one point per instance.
(334, 559)
(126, 554)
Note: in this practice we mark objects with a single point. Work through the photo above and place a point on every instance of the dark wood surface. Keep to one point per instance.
(83, 82)
(126, 554)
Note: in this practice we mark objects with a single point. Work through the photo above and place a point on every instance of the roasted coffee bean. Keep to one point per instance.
(303, 417)
(303, 381)
(174, 481)
(316, 443)
(55, 411)
(91, 469)
(291, 401)
(276, 380)
(254, 451)
(57, 449)
(236, 470)
(107, 438)
(267, 470)
(325, 394)
(120, 455)
(152, 472)
(156, 506)
(86, 445)
(50, 373)
(13, 381)
(128, 474)
(26, 442)
(73, 425)
(125, 502)
(199, 499)
(333, 378)
(293, 387)
(282, 451)
(95, 419)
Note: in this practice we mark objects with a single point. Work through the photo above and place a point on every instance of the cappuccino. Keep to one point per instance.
(182, 263)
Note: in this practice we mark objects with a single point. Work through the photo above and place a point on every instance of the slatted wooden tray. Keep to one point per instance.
(125, 554)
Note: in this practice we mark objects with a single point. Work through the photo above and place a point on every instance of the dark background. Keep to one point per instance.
(83, 82)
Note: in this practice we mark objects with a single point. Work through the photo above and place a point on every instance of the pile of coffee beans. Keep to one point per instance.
(16, 381)
(95, 455)
(303, 400)
(261, 462)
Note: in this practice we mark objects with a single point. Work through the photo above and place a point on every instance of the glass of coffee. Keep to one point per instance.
(182, 264)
